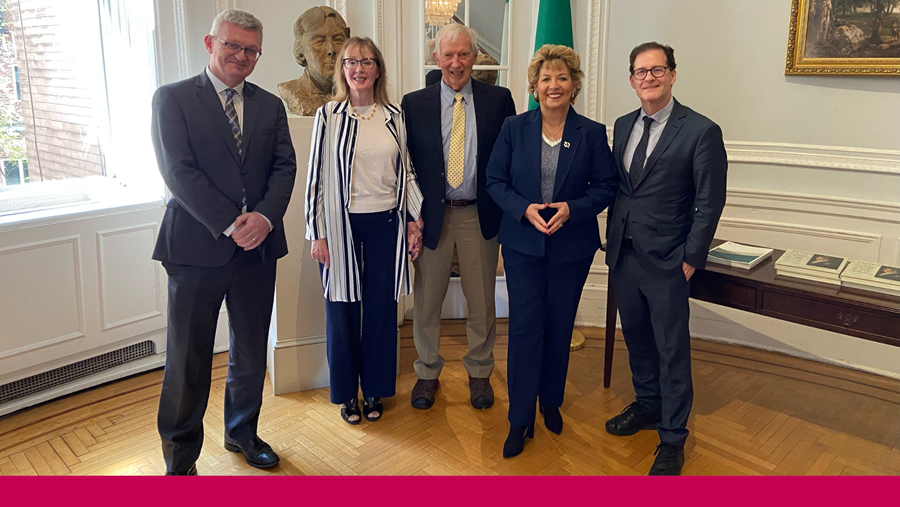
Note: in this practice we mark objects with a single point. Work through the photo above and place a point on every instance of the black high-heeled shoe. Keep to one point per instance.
(515, 442)
(349, 409)
(370, 405)
(552, 419)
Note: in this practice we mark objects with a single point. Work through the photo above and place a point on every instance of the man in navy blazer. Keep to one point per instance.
(224, 150)
(460, 217)
(672, 167)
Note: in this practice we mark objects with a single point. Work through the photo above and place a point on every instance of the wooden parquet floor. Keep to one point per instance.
(755, 413)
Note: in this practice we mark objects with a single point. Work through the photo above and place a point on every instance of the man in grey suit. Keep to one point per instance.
(224, 150)
(671, 164)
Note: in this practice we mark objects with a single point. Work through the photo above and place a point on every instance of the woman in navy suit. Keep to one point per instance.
(552, 173)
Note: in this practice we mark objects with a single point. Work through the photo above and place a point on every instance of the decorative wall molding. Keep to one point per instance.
(807, 155)
(593, 57)
(341, 7)
(802, 230)
(222, 5)
(379, 20)
(847, 158)
(299, 342)
(181, 45)
(103, 278)
(815, 204)
(79, 332)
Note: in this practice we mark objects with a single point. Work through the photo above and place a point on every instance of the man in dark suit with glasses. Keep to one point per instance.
(671, 164)
(224, 150)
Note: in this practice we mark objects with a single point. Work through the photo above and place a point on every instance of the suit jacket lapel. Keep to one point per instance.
(620, 140)
(480, 117)
(570, 140)
(434, 116)
(533, 146)
(251, 107)
(673, 125)
(210, 99)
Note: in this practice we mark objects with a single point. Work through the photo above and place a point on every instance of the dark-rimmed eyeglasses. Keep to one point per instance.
(657, 72)
(366, 63)
(251, 53)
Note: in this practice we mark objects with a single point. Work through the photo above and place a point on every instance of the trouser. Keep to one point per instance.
(478, 276)
(362, 335)
(655, 315)
(543, 301)
(195, 297)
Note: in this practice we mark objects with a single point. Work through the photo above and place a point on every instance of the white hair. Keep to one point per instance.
(451, 33)
(239, 18)
(429, 52)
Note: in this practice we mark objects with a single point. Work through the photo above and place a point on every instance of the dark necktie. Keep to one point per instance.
(233, 119)
(236, 132)
(640, 154)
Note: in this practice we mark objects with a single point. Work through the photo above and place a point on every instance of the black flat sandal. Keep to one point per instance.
(372, 405)
(351, 409)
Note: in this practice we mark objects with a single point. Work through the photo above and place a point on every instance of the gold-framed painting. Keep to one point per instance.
(844, 37)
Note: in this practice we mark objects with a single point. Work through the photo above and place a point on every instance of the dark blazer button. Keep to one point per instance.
(442, 201)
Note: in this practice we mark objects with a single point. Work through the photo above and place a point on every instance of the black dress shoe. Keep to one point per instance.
(633, 418)
(515, 441)
(257, 453)
(669, 460)
(552, 419)
(191, 471)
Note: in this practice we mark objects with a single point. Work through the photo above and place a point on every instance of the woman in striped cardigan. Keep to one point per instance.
(362, 217)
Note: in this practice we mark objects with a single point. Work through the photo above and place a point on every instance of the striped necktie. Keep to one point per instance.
(457, 160)
(233, 120)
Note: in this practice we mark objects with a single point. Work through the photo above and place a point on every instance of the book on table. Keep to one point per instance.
(810, 265)
(738, 255)
(872, 276)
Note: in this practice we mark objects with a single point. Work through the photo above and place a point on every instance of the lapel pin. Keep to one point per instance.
(566, 144)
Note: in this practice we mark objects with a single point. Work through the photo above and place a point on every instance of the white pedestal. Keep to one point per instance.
(297, 356)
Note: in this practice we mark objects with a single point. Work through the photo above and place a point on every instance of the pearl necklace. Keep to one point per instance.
(356, 115)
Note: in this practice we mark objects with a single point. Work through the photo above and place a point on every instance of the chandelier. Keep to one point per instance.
(440, 12)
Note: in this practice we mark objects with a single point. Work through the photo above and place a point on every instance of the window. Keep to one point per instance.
(490, 18)
(83, 72)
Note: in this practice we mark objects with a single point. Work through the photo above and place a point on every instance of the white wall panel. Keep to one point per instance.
(42, 299)
(129, 288)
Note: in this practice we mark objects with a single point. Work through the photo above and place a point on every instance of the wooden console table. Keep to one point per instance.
(854, 312)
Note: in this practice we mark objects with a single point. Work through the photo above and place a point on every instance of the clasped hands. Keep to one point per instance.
(414, 237)
(532, 213)
(250, 230)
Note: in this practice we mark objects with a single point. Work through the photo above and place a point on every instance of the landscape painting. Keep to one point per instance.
(848, 37)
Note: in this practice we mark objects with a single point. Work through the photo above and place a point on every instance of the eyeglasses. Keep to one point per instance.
(367, 63)
(252, 54)
(657, 72)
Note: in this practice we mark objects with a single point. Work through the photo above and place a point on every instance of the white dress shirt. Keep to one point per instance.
(656, 128)
(239, 109)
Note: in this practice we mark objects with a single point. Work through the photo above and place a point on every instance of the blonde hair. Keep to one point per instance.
(342, 89)
(550, 53)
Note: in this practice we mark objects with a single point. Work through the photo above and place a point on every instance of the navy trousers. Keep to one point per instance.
(362, 335)
(195, 297)
(543, 300)
(655, 315)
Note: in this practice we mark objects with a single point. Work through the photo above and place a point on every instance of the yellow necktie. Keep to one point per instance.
(457, 159)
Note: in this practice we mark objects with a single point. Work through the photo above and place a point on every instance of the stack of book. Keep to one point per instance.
(872, 276)
(811, 266)
(737, 255)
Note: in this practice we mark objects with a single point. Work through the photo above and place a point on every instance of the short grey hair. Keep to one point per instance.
(451, 32)
(239, 18)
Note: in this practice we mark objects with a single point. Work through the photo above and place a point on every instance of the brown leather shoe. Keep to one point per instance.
(481, 394)
(423, 393)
